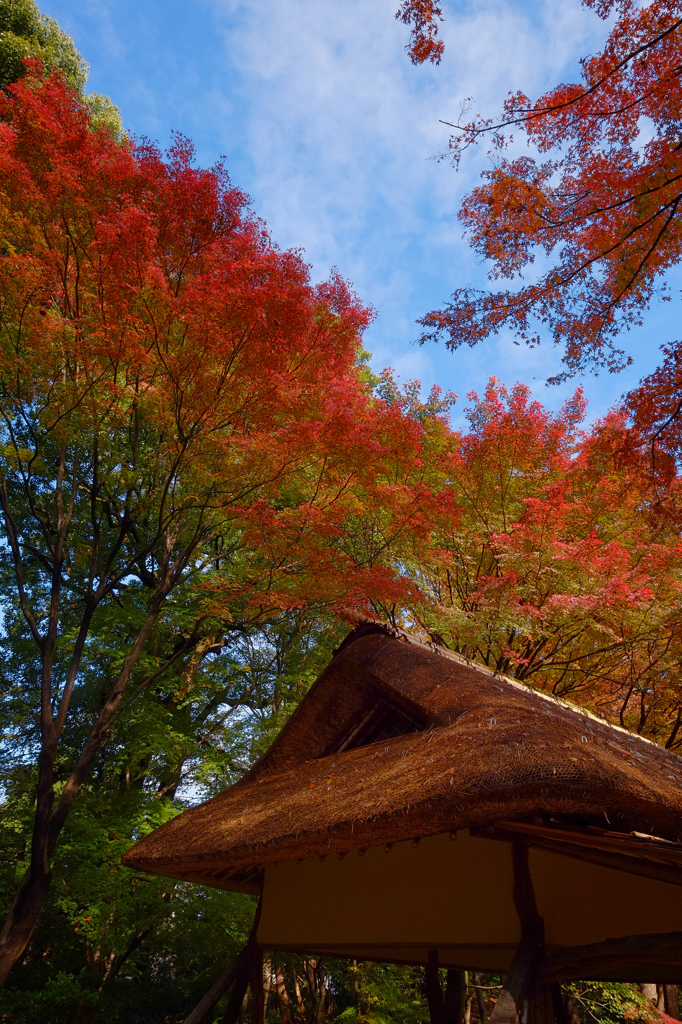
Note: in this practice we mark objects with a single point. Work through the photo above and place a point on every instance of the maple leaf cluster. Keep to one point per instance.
(423, 17)
(562, 566)
(601, 205)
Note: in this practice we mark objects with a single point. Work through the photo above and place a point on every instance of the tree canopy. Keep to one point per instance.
(199, 475)
(601, 205)
(188, 442)
(25, 32)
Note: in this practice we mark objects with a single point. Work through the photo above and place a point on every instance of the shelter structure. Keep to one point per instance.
(420, 809)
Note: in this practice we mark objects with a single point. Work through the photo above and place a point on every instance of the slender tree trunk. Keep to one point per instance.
(23, 916)
(237, 976)
(356, 989)
(116, 962)
(572, 1011)
(30, 898)
(267, 983)
(480, 999)
(316, 989)
(282, 995)
(299, 997)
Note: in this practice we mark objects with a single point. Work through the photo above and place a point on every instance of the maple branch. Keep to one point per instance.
(536, 112)
(661, 430)
(11, 531)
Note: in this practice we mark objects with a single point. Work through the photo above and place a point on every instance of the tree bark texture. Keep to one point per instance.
(671, 1000)
(480, 999)
(282, 995)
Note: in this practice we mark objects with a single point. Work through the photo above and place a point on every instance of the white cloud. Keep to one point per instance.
(341, 132)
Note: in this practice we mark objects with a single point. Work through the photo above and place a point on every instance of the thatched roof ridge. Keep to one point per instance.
(365, 625)
(490, 749)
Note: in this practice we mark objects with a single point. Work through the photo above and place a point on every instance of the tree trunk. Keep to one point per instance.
(356, 989)
(572, 1011)
(21, 920)
(267, 983)
(282, 995)
(480, 999)
(299, 997)
(671, 999)
(316, 990)
(237, 976)
(30, 899)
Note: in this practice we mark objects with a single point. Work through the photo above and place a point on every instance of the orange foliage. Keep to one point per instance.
(603, 205)
(423, 16)
(559, 568)
(186, 432)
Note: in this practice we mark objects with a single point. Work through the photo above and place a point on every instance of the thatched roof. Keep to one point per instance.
(469, 749)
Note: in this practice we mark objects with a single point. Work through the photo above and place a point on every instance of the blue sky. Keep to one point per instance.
(333, 133)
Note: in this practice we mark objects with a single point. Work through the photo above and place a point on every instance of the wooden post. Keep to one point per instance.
(522, 979)
(240, 985)
(434, 992)
(561, 1015)
(541, 1004)
(256, 985)
(455, 996)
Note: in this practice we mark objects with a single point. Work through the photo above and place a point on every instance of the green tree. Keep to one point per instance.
(26, 33)
(116, 946)
(186, 447)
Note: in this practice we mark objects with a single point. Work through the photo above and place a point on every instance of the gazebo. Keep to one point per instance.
(418, 808)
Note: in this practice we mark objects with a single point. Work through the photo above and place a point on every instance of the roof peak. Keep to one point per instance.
(364, 625)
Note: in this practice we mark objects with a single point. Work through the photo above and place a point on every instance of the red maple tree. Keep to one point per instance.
(560, 568)
(602, 203)
(186, 432)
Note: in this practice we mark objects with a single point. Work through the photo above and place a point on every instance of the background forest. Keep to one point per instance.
(201, 479)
